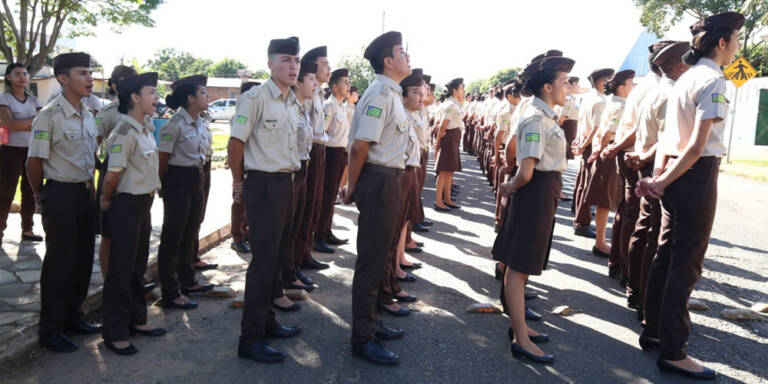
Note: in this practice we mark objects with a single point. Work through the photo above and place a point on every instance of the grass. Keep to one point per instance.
(759, 163)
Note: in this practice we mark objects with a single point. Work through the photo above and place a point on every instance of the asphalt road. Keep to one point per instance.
(444, 343)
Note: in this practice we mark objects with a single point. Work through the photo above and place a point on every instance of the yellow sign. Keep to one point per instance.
(740, 71)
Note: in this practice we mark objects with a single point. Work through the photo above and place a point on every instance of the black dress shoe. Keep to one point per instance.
(206, 266)
(419, 228)
(518, 352)
(129, 350)
(613, 272)
(427, 223)
(387, 333)
(540, 338)
(706, 374)
(597, 252)
(584, 232)
(333, 240)
(406, 298)
(451, 206)
(323, 247)
(291, 308)
(57, 342)
(85, 328)
(496, 228)
(172, 304)
(412, 266)
(531, 315)
(374, 352)
(649, 344)
(259, 351)
(408, 278)
(314, 264)
(282, 332)
(241, 247)
(148, 287)
(201, 289)
(530, 295)
(414, 250)
(35, 238)
(304, 278)
(441, 209)
(155, 332)
(308, 288)
(420, 244)
(403, 311)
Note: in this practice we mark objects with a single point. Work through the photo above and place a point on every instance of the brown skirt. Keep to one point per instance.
(569, 127)
(524, 241)
(448, 160)
(603, 189)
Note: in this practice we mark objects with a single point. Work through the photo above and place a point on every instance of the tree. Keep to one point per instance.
(502, 76)
(226, 67)
(659, 15)
(172, 65)
(29, 29)
(360, 71)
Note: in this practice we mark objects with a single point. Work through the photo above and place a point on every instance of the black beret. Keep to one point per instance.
(730, 20)
(194, 79)
(315, 53)
(387, 40)
(341, 72)
(432, 87)
(289, 46)
(70, 60)
(138, 81)
(122, 71)
(427, 78)
(417, 71)
(600, 73)
(620, 77)
(551, 63)
(308, 67)
(672, 52)
(659, 45)
(244, 87)
(352, 89)
(413, 80)
(454, 83)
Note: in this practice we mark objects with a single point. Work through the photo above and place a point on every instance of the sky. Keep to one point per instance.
(470, 39)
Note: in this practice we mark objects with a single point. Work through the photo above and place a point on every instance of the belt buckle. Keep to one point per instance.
(88, 184)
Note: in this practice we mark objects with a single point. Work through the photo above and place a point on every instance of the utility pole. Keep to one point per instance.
(383, 18)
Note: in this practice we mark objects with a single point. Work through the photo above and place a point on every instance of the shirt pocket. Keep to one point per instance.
(271, 132)
(189, 143)
(72, 141)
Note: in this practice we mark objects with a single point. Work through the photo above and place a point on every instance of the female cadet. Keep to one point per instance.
(685, 177)
(526, 236)
(182, 157)
(129, 189)
(447, 145)
(603, 189)
(106, 120)
(17, 110)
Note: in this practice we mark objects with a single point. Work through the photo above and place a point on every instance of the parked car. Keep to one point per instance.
(222, 109)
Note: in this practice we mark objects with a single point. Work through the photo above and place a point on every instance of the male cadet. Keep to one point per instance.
(336, 157)
(378, 136)
(263, 157)
(316, 167)
(239, 227)
(62, 150)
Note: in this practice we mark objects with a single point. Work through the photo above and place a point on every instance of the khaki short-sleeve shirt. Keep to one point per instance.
(186, 139)
(336, 123)
(132, 149)
(453, 112)
(540, 137)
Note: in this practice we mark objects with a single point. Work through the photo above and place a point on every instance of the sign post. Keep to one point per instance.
(739, 72)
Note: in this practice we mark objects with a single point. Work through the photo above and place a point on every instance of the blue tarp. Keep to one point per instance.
(637, 58)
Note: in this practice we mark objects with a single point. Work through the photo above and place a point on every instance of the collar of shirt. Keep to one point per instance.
(387, 81)
(540, 104)
(135, 124)
(67, 107)
(618, 98)
(709, 63)
(186, 116)
(277, 93)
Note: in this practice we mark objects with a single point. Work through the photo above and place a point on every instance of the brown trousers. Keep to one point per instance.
(292, 263)
(378, 196)
(315, 175)
(206, 192)
(643, 243)
(583, 216)
(335, 160)
(12, 161)
(688, 211)
(267, 195)
(625, 218)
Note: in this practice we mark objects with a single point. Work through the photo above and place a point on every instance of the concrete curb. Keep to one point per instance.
(25, 339)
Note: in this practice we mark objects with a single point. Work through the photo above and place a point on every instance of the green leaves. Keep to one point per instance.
(360, 70)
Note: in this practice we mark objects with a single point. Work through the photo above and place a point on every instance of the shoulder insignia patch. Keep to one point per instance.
(116, 148)
(532, 138)
(373, 112)
(42, 135)
(240, 119)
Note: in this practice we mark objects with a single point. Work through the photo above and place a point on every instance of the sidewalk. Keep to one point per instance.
(20, 264)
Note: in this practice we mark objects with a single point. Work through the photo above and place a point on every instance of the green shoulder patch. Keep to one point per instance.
(42, 135)
(116, 148)
(98, 120)
(718, 98)
(166, 137)
(373, 112)
(240, 119)
(532, 138)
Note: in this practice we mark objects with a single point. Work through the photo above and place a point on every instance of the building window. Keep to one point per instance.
(761, 133)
